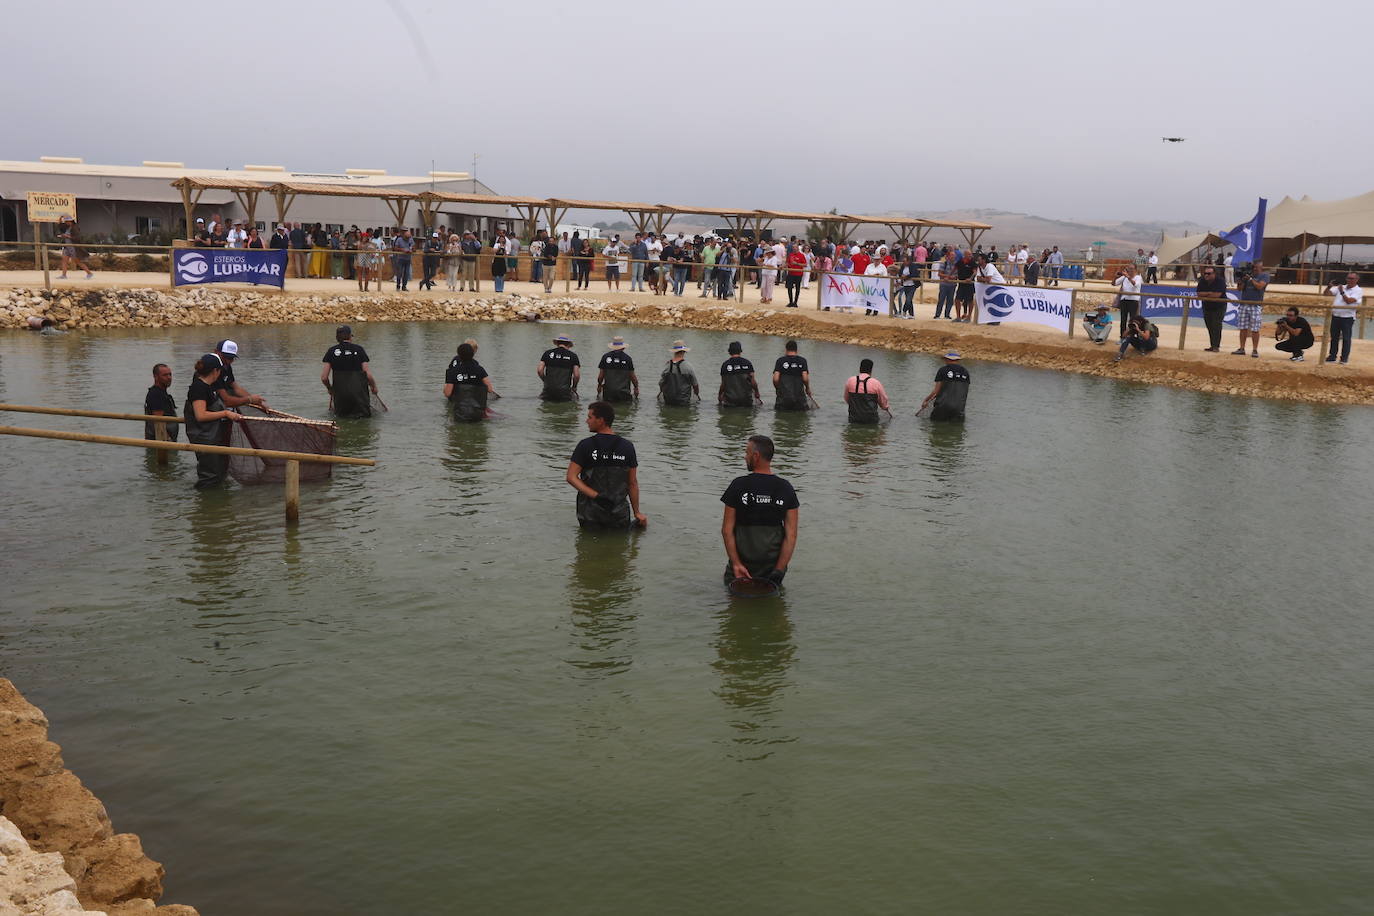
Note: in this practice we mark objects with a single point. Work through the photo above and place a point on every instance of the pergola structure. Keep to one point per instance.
(739, 221)
(912, 229)
(397, 201)
(639, 214)
(527, 207)
(246, 192)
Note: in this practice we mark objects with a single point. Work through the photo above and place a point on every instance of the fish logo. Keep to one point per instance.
(192, 268)
(998, 302)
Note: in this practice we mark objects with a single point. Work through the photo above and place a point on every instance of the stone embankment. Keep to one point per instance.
(147, 308)
(58, 852)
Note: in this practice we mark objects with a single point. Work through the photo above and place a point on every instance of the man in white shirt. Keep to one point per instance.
(655, 248)
(1055, 262)
(1152, 271)
(1230, 270)
(988, 272)
(236, 238)
(612, 253)
(876, 268)
(1128, 280)
(1348, 297)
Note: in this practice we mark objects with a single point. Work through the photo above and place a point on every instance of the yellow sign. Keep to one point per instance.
(48, 207)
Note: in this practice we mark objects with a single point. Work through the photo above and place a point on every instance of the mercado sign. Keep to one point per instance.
(50, 207)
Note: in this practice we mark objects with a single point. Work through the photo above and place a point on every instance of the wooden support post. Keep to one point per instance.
(1183, 324)
(819, 283)
(1326, 336)
(160, 431)
(293, 491)
(1073, 311)
(42, 250)
(567, 270)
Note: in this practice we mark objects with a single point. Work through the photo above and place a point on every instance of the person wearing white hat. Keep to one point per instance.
(615, 375)
(230, 391)
(678, 382)
(951, 390)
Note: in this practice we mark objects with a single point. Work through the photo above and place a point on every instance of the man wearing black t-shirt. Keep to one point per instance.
(737, 380)
(230, 391)
(1211, 289)
(352, 378)
(158, 403)
(759, 526)
(604, 471)
(615, 374)
(950, 393)
(560, 369)
(792, 380)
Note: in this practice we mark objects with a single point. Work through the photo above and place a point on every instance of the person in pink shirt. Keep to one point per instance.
(864, 394)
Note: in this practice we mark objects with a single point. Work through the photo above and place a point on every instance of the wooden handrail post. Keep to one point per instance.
(160, 432)
(293, 491)
(1183, 323)
(1073, 311)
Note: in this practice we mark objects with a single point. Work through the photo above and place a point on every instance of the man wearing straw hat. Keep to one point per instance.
(678, 382)
(951, 390)
(560, 369)
(615, 374)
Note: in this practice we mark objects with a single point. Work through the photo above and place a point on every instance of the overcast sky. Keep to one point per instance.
(1042, 106)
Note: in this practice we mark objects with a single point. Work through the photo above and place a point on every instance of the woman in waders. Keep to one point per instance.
(207, 421)
(352, 379)
(467, 386)
(865, 395)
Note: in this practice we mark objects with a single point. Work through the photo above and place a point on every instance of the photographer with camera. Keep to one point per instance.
(1129, 281)
(1293, 334)
(1141, 334)
(1253, 281)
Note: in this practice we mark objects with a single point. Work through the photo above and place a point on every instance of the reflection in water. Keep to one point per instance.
(601, 588)
(218, 564)
(863, 446)
(467, 459)
(754, 656)
(560, 426)
(945, 459)
(677, 424)
(358, 437)
(790, 429)
(736, 425)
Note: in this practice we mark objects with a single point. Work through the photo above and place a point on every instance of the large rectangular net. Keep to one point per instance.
(280, 432)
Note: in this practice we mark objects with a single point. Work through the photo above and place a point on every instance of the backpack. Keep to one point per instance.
(676, 387)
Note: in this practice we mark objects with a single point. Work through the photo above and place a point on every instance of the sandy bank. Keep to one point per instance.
(55, 813)
(1272, 376)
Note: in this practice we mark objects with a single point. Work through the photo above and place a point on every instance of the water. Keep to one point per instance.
(1103, 649)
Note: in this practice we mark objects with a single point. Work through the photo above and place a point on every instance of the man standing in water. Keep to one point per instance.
(678, 382)
(560, 368)
(737, 382)
(604, 471)
(951, 390)
(352, 378)
(759, 527)
(159, 403)
(792, 380)
(615, 374)
(865, 395)
(230, 391)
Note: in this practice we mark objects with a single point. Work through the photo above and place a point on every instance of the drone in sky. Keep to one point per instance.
(1173, 139)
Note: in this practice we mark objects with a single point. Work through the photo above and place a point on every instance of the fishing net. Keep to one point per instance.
(753, 588)
(282, 432)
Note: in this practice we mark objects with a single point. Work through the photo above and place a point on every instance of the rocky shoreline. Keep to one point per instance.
(61, 855)
(200, 306)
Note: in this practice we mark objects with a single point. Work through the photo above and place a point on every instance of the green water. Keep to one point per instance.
(1103, 649)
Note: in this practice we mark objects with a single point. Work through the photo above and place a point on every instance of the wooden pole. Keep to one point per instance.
(97, 414)
(293, 491)
(42, 255)
(183, 446)
(160, 430)
(1183, 324)
(1326, 334)
(1073, 311)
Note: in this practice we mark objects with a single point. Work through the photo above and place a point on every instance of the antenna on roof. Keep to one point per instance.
(474, 166)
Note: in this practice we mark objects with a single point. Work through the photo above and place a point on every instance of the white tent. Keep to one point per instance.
(1292, 225)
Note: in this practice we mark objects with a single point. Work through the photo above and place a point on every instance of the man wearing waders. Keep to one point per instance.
(605, 473)
(615, 374)
(230, 391)
(792, 380)
(560, 369)
(950, 392)
(738, 387)
(760, 523)
(467, 385)
(678, 382)
(864, 394)
(352, 378)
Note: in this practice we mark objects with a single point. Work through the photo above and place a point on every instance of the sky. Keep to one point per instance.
(1042, 106)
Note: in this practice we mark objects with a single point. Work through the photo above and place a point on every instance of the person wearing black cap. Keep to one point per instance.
(230, 391)
(434, 250)
(560, 370)
(158, 403)
(352, 379)
(604, 470)
(792, 380)
(951, 390)
(759, 527)
(207, 420)
(615, 375)
(467, 385)
(737, 382)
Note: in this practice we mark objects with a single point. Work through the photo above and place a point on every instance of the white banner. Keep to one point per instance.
(843, 291)
(1031, 304)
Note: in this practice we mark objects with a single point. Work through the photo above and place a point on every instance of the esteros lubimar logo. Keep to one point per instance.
(192, 267)
(998, 302)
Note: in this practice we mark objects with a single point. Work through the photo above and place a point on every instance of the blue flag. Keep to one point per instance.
(1248, 237)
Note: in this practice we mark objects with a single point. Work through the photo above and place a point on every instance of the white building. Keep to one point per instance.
(140, 200)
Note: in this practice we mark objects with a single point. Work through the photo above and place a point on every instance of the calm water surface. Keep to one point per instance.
(1102, 649)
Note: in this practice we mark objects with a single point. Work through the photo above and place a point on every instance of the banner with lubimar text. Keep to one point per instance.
(1027, 304)
(847, 291)
(261, 267)
(1155, 305)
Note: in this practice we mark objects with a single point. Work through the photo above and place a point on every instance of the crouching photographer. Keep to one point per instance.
(1141, 334)
(1293, 334)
